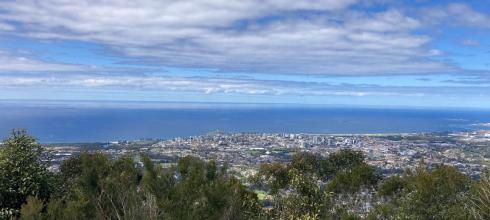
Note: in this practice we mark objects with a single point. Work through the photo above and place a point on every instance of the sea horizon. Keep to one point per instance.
(153, 104)
(97, 121)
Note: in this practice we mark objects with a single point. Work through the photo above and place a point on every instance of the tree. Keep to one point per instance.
(22, 172)
(352, 180)
(306, 187)
(479, 199)
(273, 176)
(200, 190)
(341, 160)
(101, 188)
(391, 186)
(32, 209)
(426, 194)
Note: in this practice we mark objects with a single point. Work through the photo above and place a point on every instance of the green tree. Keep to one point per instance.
(22, 172)
(101, 188)
(305, 187)
(391, 186)
(274, 176)
(479, 199)
(427, 194)
(341, 160)
(200, 190)
(352, 180)
(32, 209)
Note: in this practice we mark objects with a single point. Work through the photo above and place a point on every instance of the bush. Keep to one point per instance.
(22, 172)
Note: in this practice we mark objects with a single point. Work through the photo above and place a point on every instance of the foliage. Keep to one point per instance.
(275, 175)
(94, 186)
(306, 187)
(426, 194)
(22, 173)
(479, 201)
(342, 160)
(32, 209)
(199, 190)
(391, 186)
(351, 181)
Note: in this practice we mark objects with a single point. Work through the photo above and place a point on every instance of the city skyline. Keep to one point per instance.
(353, 52)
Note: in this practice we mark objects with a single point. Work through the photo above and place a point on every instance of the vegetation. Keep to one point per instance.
(340, 186)
(22, 173)
(423, 194)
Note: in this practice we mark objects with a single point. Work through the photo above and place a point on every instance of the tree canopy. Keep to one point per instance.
(341, 185)
(22, 172)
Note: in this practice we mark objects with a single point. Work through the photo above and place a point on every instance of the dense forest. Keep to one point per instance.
(340, 186)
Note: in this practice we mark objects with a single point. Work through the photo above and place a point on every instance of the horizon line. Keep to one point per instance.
(152, 104)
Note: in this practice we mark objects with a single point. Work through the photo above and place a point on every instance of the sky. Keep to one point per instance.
(326, 52)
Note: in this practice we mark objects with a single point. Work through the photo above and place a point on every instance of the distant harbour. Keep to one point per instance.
(79, 124)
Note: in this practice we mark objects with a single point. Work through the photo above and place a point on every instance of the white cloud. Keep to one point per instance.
(254, 35)
(19, 63)
(210, 85)
(6, 27)
(391, 20)
(455, 14)
(465, 15)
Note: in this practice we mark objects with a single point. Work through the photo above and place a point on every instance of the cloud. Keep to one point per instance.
(476, 80)
(6, 27)
(469, 42)
(267, 36)
(465, 15)
(25, 62)
(455, 14)
(21, 63)
(212, 85)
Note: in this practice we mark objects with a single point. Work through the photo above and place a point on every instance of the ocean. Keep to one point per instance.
(56, 124)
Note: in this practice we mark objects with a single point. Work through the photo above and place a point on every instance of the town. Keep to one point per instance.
(243, 152)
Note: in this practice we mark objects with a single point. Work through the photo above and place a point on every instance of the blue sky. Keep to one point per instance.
(353, 52)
